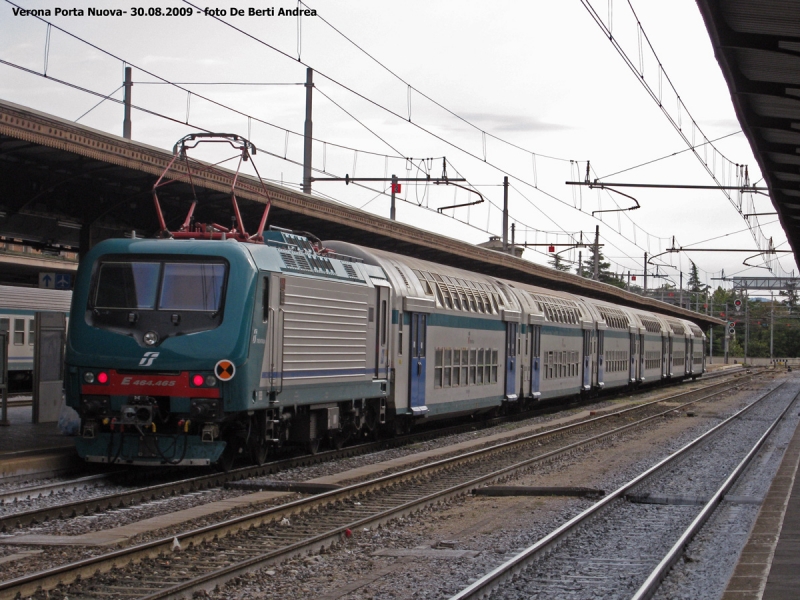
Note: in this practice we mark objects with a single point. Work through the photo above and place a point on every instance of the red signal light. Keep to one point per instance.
(551, 249)
(102, 377)
(197, 380)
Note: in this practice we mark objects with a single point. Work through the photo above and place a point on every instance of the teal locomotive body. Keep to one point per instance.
(173, 353)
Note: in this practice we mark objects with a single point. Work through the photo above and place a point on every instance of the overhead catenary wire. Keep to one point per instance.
(424, 95)
(286, 130)
(521, 180)
(655, 160)
(675, 121)
(397, 115)
(165, 81)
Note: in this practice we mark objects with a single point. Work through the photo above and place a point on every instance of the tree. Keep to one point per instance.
(603, 269)
(791, 294)
(694, 283)
(558, 263)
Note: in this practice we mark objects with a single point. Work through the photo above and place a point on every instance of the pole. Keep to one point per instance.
(513, 227)
(771, 324)
(645, 273)
(725, 340)
(505, 213)
(596, 253)
(126, 122)
(580, 263)
(680, 294)
(307, 133)
(629, 281)
(711, 338)
(746, 328)
(392, 214)
(4, 379)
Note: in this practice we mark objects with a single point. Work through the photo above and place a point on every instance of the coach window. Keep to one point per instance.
(437, 371)
(4, 324)
(383, 322)
(31, 331)
(399, 333)
(19, 332)
(448, 361)
(265, 301)
(480, 366)
(472, 362)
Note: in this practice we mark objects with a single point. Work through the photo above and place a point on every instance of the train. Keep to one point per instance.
(199, 352)
(18, 308)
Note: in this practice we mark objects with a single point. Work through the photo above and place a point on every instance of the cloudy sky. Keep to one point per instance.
(532, 90)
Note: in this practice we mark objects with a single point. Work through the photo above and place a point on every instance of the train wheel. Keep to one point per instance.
(257, 444)
(339, 439)
(227, 459)
(259, 450)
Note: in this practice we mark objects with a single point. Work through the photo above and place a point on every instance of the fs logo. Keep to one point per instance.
(148, 359)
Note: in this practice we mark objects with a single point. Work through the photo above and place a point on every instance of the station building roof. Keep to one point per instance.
(66, 184)
(757, 45)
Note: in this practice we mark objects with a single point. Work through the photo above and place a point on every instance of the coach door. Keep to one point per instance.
(634, 358)
(687, 356)
(665, 356)
(640, 373)
(587, 359)
(381, 332)
(419, 325)
(511, 360)
(536, 358)
(601, 368)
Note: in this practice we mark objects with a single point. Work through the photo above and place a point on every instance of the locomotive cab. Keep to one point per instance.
(154, 342)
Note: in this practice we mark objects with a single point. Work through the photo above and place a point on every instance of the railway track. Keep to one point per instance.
(213, 554)
(597, 564)
(170, 488)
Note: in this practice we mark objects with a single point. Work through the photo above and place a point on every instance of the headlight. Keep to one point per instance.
(151, 338)
(88, 377)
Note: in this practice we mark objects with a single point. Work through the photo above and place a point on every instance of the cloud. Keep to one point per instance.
(725, 124)
(500, 122)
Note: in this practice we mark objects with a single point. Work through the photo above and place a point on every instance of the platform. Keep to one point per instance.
(769, 566)
(27, 448)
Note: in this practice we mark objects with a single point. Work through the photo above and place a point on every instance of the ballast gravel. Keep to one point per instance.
(360, 567)
(571, 506)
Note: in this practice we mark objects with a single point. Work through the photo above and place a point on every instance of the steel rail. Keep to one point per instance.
(653, 581)
(225, 574)
(486, 584)
(70, 572)
(207, 481)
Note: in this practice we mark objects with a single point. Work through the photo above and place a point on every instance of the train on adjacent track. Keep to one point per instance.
(192, 351)
(18, 308)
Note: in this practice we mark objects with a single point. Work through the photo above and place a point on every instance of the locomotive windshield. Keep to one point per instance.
(127, 285)
(141, 285)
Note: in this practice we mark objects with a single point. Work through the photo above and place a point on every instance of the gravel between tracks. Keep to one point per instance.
(495, 528)
(119, 517)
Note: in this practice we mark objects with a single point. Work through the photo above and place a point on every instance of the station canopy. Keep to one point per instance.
(757, 45)
(66, 185)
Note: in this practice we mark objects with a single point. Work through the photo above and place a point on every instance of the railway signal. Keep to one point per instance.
(738, 304)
